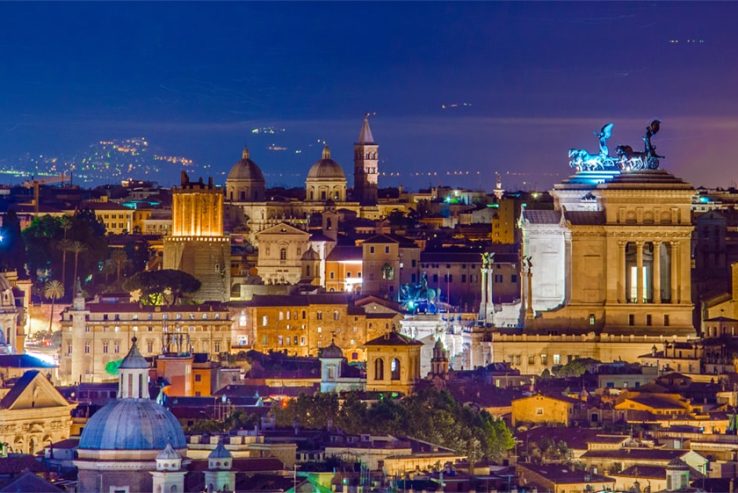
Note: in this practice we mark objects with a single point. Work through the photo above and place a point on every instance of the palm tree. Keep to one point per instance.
(65, 246)
(76, 247)
(53, 290)
(119, 258)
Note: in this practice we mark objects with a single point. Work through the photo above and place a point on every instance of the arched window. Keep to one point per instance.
(173, 489)
(379, 369)
(395, 369)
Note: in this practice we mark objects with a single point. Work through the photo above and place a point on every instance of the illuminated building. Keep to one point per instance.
(96, 334)
(606, 273)
(189, 374)
(130, 437)
(366, 166)
(281, 250)
(116, 218)
(325, 189)
(196, 244)
(325, 180)
(33, 414)
(12, 316)
(387, 263)
(343, 269)
(302, 324)
(245, 182)
(503, 221)
(393, 363)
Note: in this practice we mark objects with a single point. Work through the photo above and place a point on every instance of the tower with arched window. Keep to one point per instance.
(393, 363)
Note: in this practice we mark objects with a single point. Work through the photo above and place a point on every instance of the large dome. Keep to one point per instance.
(132, 424)
(246, 169)
(326, 168)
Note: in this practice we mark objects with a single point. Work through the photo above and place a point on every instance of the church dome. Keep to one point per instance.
(326, 168)
(331, 352)
(246, 169)
(132, 424)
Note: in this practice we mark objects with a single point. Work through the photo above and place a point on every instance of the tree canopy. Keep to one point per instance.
(12, 248)
(49, 239)
(430, 415)
(158, 287)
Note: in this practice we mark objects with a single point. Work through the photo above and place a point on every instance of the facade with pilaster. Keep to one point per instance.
(609, 271)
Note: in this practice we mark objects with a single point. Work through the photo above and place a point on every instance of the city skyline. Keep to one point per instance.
(475, 88)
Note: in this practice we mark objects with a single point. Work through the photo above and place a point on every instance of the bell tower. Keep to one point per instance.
(366, 166)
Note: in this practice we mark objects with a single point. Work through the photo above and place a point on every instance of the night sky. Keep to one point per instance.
(539, 78)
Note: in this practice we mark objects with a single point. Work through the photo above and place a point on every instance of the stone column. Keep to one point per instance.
(674, 260)
(639, 272)
(657, 272)
(529, 313)
(622, 276)
(483, 294)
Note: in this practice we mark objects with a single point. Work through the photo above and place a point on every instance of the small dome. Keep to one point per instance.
(245, 169)
(134, 360)
(310, 254)
(168, 453)
(132, 424)
(331, 351)
(220, 452)
(326, 168)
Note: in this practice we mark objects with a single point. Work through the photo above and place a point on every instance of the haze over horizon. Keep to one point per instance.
(528, 81)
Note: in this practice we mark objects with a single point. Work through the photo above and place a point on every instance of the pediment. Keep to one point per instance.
(282, 229)
(35, 392)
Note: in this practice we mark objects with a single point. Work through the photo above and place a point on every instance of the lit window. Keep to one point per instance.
(556, 359)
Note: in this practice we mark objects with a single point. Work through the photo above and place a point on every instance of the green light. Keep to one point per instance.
(111, 367)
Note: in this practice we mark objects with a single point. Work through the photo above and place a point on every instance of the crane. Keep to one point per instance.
(36, 183)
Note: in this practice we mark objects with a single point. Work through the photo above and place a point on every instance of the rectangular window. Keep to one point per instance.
(319, 315)
(539, 411)
(198, 377)
(631, 319)
(666, 320)
(386, 249)
(371, 249)
(531, 360)
(544, 359)
(514, 278)
(648, 319)
(556, 359)
(264, 321)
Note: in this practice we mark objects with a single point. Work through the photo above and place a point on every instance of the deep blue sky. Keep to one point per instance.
(195, 78)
